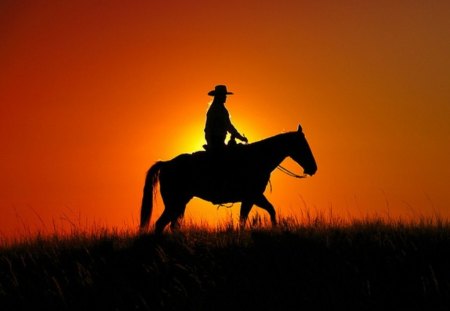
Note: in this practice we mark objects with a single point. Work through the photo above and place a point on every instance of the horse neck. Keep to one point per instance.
(274, 150)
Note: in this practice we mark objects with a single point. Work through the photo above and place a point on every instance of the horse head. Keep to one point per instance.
(301, 152)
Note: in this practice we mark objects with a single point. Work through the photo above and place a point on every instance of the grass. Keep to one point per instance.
(317, 263)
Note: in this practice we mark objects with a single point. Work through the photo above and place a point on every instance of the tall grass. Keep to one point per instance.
(316, 261)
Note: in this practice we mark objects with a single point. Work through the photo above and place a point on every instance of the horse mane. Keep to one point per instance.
(281, 138)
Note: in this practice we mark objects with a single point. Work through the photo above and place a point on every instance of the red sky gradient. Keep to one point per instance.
(92, 93)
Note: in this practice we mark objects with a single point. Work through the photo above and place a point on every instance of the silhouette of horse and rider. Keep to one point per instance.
(222, 173)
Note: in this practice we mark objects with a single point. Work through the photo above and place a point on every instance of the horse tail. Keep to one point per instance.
(149, 193)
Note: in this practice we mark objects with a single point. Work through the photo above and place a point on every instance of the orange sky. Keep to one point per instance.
(93, 92)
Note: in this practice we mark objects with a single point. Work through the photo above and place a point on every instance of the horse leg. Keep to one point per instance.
(262, 202)
(246, 206)
(178, 212)
(177, 217)
(163, 221)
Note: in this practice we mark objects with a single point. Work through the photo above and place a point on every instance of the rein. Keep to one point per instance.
(290, 173)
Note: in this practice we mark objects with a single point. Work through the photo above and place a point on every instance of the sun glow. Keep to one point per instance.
(191, 139)
(190, 135)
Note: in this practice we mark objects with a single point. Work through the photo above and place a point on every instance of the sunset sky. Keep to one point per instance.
(92, 93)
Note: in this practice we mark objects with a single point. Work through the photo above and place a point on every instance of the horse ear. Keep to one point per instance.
(299, 128)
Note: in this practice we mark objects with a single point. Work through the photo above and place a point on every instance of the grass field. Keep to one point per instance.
(370, 264)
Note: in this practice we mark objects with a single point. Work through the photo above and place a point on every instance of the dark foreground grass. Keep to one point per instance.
(365, 265)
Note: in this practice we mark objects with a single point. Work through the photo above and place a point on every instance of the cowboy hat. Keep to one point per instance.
(219, 90)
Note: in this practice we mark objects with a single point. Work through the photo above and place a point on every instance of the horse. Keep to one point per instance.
(234, 174)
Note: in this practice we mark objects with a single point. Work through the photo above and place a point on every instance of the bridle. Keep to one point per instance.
(290, 173)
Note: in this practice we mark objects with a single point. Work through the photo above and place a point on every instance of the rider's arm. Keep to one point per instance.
(233, 131)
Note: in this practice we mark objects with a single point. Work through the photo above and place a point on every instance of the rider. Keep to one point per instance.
(218, 122)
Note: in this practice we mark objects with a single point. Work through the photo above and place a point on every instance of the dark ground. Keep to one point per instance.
(370, 266)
